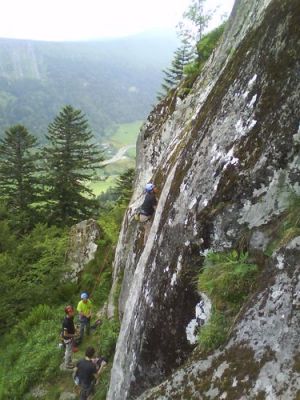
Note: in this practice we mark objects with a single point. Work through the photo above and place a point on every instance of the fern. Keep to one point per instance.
(227, 278)
(108, 336)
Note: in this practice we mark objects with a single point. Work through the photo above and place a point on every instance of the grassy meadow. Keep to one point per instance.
(125, 135)
(101, 186)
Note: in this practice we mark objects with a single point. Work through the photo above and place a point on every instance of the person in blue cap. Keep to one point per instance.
(84, 309)
(148, 208)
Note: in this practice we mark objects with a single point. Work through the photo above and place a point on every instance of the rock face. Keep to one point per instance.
(82, 246)
(226, 160)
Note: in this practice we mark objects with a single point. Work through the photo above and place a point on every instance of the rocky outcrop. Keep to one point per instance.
(82, 246)
(226, 160)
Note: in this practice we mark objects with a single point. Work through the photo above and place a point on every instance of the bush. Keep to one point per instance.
(214, 333)
(108, 336)
(7, 238)
(110, 221)
(40, 313)
(97, 275)
(32, 357)
(103, 385)
(209, 42)
(228, 279)
(288, 226)
(3, 384)
(32, 273)
(205, 47)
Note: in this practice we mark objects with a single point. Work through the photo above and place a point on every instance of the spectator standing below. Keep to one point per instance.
(68, 333)
(87, 372)
(84, 309)
(148, 208)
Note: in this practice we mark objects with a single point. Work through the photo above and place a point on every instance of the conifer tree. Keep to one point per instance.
(18, 174)
(124, 186)
(173, 75)
(190, 30)
(70, 162)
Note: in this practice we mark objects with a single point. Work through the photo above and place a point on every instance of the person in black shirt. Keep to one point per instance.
(148, 208)
(68, 333)
(87, 371)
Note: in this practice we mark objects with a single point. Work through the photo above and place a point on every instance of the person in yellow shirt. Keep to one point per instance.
(84, 309)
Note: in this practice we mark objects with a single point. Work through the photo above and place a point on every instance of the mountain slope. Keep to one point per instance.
(112, 81)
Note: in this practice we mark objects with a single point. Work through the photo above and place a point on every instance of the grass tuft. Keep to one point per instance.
(228, 279)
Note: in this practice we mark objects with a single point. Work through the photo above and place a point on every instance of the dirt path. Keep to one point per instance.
(119, 156)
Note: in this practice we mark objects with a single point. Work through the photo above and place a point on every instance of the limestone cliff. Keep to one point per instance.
(82, 246)
(226, 161)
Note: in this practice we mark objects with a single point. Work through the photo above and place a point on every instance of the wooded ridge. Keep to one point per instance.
(112, 81)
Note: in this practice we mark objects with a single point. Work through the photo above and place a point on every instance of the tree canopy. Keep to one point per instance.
(70, 161)
(195, 21)
(190, 31)
(18, 173)
(173, 75)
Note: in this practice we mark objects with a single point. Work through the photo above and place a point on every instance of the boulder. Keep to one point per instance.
(82, 246)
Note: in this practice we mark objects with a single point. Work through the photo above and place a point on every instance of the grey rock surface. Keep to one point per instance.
(82, 246)
(226, 161)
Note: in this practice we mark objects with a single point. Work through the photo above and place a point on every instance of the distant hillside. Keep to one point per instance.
(112, 81)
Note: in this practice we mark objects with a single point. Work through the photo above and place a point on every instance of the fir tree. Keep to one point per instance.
(188, 57)
(70, 162)
(124, 186)
(18, 174)
(173, 75)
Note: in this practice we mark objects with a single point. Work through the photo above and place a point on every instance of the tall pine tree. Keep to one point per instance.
(124, 186)
(173, 75)
(70, 163)
(187, 57)
(18, 175)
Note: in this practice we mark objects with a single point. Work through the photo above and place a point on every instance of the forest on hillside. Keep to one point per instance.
(43, 192)
(112, 81)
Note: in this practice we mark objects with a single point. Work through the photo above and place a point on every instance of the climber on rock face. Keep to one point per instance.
(148, 208)
(84, 308)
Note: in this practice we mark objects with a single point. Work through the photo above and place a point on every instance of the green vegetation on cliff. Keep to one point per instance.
(33, 295)
(228, 279)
